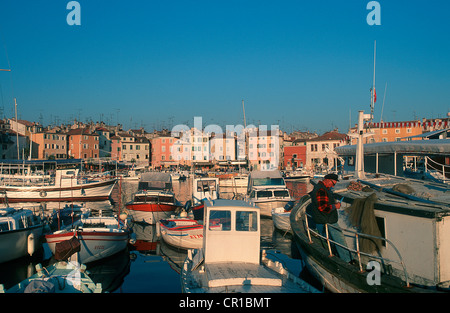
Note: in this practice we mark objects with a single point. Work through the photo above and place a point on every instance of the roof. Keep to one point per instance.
(266, 174)
(428, 147)
(332, 135)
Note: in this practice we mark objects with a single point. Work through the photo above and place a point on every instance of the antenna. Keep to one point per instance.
(243, 108)
(373, 92)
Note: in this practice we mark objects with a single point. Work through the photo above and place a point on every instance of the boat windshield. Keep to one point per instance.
(268, 182)
(281, 193)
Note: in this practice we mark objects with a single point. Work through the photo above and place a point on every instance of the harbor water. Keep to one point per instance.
(150, 265)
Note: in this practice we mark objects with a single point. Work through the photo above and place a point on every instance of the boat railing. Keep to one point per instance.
(357, 251)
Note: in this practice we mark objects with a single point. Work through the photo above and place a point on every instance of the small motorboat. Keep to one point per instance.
(61, 277)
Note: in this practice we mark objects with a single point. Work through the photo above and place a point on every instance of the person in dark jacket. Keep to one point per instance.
(323, 210)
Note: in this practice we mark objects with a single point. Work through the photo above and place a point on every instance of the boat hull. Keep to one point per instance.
(95, 245)
(150, 213)
(187, 234)
(14, 244)
(332, 272)
(267, 205)
(98, 191)
(281, 220)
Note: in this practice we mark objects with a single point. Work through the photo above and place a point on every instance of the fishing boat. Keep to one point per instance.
(230, 258)
(89, 239)
(281, 217)
(154, 200)
(69, 214)
(20, 233)
(267, 190)
(396, 231)
(66, 185)
(61, 277)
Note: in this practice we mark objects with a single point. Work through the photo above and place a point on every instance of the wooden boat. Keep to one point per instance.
(89, 239)
(230, 259)
(61, 277)
(182, 232)
(66, 186)
(395, 228)
(155, 199)
(20, 233)
(281, 217)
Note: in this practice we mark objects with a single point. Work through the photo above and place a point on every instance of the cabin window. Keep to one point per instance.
(246, 221)
(264, 194)
(219, 220)
(281, 193)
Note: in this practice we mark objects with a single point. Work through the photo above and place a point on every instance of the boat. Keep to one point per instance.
(185, 231)
(234, 181)
(281, 217)
(89, 239)
(69, 214)
(66, 185)
(60, 277)
(154, 200)
(395, 231)
(298, 175)
(230, 258)
(20, 233)
(182, 232)
(267, 190)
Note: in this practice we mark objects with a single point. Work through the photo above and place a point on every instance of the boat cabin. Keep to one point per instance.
(205, 188)
(14, 219)
(231, 232)
(265, 179)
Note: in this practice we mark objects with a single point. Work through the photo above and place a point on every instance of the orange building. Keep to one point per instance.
(390, 131)
(49, 145)
(82, 144)
(162, 152)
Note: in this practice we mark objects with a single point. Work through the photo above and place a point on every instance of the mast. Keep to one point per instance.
(373, 92)
(243, 109)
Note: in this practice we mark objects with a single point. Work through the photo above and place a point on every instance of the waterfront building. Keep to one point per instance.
(49, 144)
(161, 152)
(83, 144)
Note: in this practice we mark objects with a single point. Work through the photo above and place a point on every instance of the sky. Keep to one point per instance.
(302, 65)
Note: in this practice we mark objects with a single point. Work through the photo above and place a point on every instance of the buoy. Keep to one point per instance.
(30, 243)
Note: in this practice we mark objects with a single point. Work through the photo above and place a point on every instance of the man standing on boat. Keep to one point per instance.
(323, 210)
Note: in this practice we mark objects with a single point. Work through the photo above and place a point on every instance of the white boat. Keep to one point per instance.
(155, 199)
(182, 232)
(230, 259)
(235, 181)
(396, 231)
(268, 190)
(298, 175)
(205, 188)
(65, 186)
(20, 233)
(281, 217)
(61, 277)
(89, 239)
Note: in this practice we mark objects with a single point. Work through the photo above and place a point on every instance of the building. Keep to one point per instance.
(320, 155)
(82, 144)
(295, 155)
(49, 145)
(390, 131)
(264, 149)
(223, 148)
(162, 155)
(104, 142)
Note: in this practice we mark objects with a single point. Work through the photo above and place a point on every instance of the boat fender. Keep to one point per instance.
(43, 193)
(30, 243)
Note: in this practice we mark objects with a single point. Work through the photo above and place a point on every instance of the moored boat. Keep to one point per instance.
(230, 259)
(65, 186)
(281, 217)
(182, 232)
(20, 233)
(89, 239)
(155, 199)
(61, 277)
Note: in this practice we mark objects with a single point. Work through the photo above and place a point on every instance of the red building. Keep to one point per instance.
(295, 156)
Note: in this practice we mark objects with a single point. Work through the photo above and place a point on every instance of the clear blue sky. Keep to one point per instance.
(303, 65)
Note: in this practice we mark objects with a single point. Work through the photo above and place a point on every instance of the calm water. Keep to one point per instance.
(151, 266)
